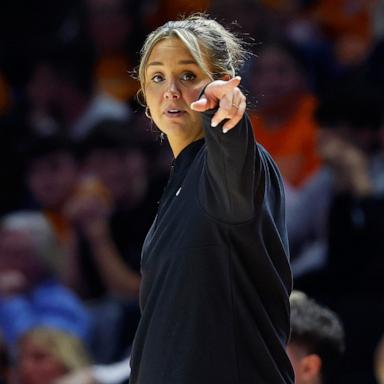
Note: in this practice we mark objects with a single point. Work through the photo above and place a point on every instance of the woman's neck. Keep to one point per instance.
(178, 144)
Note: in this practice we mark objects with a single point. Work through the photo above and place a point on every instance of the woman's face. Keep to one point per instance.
(173, 81)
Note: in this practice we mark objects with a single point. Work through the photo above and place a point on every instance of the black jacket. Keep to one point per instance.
(215, 269)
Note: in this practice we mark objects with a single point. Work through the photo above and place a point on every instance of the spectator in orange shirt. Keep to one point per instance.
(348, 25)
(283, 120)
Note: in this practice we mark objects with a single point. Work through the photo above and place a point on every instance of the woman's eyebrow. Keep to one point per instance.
(187, 62)
(154, 63)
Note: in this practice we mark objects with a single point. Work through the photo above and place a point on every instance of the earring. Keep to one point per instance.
(162, 137)
(148, 113)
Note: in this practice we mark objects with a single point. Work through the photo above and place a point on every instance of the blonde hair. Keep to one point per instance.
(65, 347)
(208, 42)
(47, 247)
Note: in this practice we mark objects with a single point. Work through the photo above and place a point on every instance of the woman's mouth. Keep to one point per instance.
(174, 113)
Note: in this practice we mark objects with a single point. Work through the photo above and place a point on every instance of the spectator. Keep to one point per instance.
(284, 119)
(101, 266)
(111, 228)
(317, 341)
(30, 294)
(52, 173)
(38, 107)
(46, 354)
(348, 144)
(348, 24)
(112, 157)
(338, 224)
(113, 29)
(62, 96)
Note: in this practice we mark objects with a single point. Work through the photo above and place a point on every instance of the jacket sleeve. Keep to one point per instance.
(231, 170)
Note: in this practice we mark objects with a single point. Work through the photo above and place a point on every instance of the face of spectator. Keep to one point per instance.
(20, 267)
(307, 367)
(276, 79)
(37, 364)
(124, 173)
(109, 24)
(51, 179)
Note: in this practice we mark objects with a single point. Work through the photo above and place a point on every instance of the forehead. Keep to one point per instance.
(170, 50)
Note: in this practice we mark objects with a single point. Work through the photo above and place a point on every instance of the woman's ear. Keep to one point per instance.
(226, 77)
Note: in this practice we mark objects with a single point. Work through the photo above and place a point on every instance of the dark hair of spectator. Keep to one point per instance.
(110, 134)
(38, 147)
(318, 331)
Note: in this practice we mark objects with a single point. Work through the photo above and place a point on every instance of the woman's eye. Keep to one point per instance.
(188, 76)
(157, 78)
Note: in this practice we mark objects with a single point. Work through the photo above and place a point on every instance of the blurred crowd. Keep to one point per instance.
(83, 169)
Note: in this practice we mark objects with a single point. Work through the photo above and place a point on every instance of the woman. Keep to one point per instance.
(215, 271)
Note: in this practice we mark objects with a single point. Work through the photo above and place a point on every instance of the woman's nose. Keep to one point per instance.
(172, 92)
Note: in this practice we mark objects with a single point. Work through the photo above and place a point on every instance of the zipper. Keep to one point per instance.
(165, 192)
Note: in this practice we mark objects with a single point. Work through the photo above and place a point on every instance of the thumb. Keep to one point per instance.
(200, 105)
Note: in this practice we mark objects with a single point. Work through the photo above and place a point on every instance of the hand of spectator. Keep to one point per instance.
(348, 162)
(90, 207)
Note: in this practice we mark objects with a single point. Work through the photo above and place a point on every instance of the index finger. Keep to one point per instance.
(219, 88)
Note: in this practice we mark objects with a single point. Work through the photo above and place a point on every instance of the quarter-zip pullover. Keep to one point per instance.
(215, 270)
